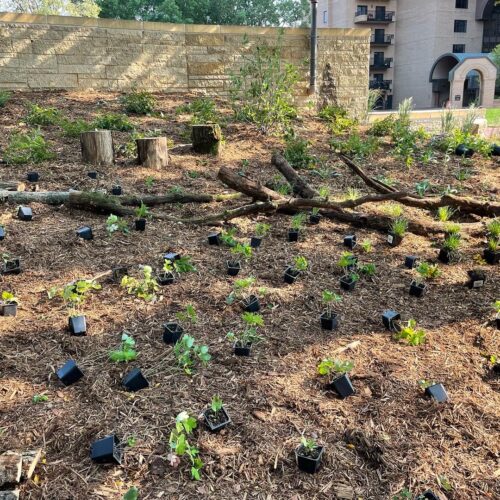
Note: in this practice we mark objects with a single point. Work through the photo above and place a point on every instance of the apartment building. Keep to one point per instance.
(431, 50)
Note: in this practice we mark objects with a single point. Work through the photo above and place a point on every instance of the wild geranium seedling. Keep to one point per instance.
(227, 237)
(330, 298)
(189, 354)
(126, 352)
(115, 223)
(369, 269)
(249, 335)
(347, 259)
(216, 404)
(300, 263)
(144, 288)
(180, 446)
(242, 250)
(241, 288)
(366, 246)
(188, 315)
(184, 265)
(9, 298)
(74, 294)
(328, 365)
(411, 334)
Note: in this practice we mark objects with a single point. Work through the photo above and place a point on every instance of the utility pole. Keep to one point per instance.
(314, 46)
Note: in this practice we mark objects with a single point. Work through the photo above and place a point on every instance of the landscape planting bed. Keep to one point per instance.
(386, 437)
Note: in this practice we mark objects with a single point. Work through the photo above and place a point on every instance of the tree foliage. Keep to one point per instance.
(79, 8)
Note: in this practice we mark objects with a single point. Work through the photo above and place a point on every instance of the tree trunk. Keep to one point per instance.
(12, 185)
(97, 147)
(206, 138)
(152, 152)
(299, 186)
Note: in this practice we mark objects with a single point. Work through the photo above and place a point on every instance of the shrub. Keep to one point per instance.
(355, 145)
(263, 91)
(338, 119)
(411, 334)
(27, 148)
(113, 121)
(399, 226)
(138, 102)
(144, 288)
(4, 97)
(73, 128)
(382, 128)
(297, 152)
(38, 115)
(203, 110)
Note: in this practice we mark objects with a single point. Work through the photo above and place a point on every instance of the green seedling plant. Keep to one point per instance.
(126, 352)
(242, 288)
(444, 214)
(298, 221)
(138, 102)
(9, 298)
(242, 250)
(30, 147)
(394, 210)
(366, 246)
(38, 115)
(261, 229)
(297, 152)
(189, 354)
(182, 265)
(74, 128)
(411, 334)
(369, 269)
(4, 97)
(216, 404)
(40, 398)
(189, 315)
(308, 446)
(115, 223)
(452, 228)
(496, 306)
(329, 298)
(180, 446)
(422, 187)
(452, 243)
(74, 294)
(427, 271)
(144, 288)
(324, 192)
(142, 211)
(493, 244)
(131, 494)
(351, 194)
(399, 227)
(328, 366)
(149, 181)
(249, 335)
(227, 237)
(493, 228)
(113, 121)
(347, 259)
(300, 264)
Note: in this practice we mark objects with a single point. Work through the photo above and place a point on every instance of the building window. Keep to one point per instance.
(458, 48)
(362, 10)
(460, 26)
(325, 17)
(462, 4)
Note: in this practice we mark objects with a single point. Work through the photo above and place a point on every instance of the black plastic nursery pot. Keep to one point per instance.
(135, 381)
(394, 239)
(216, 421)
(497, 321)
(463, 150)
(214, 239)
(172, 332)
(106, 450)
(291, 275)
(490, 256)
(309, 463)
(496, 368)
(12, 266)
(255, 242)
(477, 278)
(92, 175)
(390, 319)
(140, 224)
(445, 256)
(85, 233)
(77, 325)
(25, 213)
(9, 309)
(171, 256)
(251, 304)
(116, 190)
(2, 233)
(32, 176)
(314, 219)
(233, 267)
(427, 495)
(342, 386)
(437, 392)
(293, 235)
(411, 261)
(165, 278)
(347, 283)
(495, 150)
(350, 241)
(117, 273)
(329, 321)
(240, 350)
(69, 373)
(417, 289)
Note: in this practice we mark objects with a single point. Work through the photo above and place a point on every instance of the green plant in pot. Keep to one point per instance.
(261, 229)
(297, 224)
(244, 339)
(300, 265)
(337, 371)
(241, 251)
(397, 231)
(329, 319)
(8, 304)
(426, 272)
(450, 248)
(308, 455)
(491, 253)
(141, 212)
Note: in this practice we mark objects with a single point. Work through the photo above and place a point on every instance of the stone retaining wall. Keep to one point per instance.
(54, 52)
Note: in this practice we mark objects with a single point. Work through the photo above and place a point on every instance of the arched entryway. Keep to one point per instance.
(458, 80)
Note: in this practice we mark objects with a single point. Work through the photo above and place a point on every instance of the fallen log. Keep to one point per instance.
(12, 185)
(299, 186)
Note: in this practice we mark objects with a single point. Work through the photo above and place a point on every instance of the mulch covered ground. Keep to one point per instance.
(385, 438)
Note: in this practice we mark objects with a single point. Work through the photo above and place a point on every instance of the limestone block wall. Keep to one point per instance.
(54, 52)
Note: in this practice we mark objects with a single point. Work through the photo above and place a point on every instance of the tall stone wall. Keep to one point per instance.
(54, 52)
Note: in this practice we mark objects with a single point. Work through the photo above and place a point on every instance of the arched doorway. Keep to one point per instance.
(440, 80)
(472, 89)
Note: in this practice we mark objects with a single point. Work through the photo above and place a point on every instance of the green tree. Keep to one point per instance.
(79, 8)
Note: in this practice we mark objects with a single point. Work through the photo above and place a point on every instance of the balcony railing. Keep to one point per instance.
(373, 16)
(382, 39)
(381, 64)
(381, 84)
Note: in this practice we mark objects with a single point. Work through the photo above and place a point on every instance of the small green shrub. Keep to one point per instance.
(126, 352)
(297, 152)
(4, 97)
(202, 109)
(138, 102)
(338, 119)
(73, 128)
(448, 143)
(27, 148)
(38, 115)
(113, 121)
(355, 145)
(383, 128)
(411, 334)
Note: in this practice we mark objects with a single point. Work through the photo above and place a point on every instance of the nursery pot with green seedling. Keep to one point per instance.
(348, 281)
(8, 304)
(426, 272)
(261, 230)
(141, 213)
(293, 272)
(397, 231)
(314, 216)
(216, 417)
(449, 249)
(10, 265)
(308, 455)
(492, 253)
(339, 379)
(241, 251)
(297, 224)
(243, 340)
(329, 319)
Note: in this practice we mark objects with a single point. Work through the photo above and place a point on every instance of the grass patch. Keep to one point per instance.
(493, 117)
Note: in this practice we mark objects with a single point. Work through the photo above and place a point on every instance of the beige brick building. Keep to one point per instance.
(431, 50)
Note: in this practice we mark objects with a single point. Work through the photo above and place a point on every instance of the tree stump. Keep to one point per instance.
(206, 138)
(152, 152)
(97, 147)
(10, 468)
